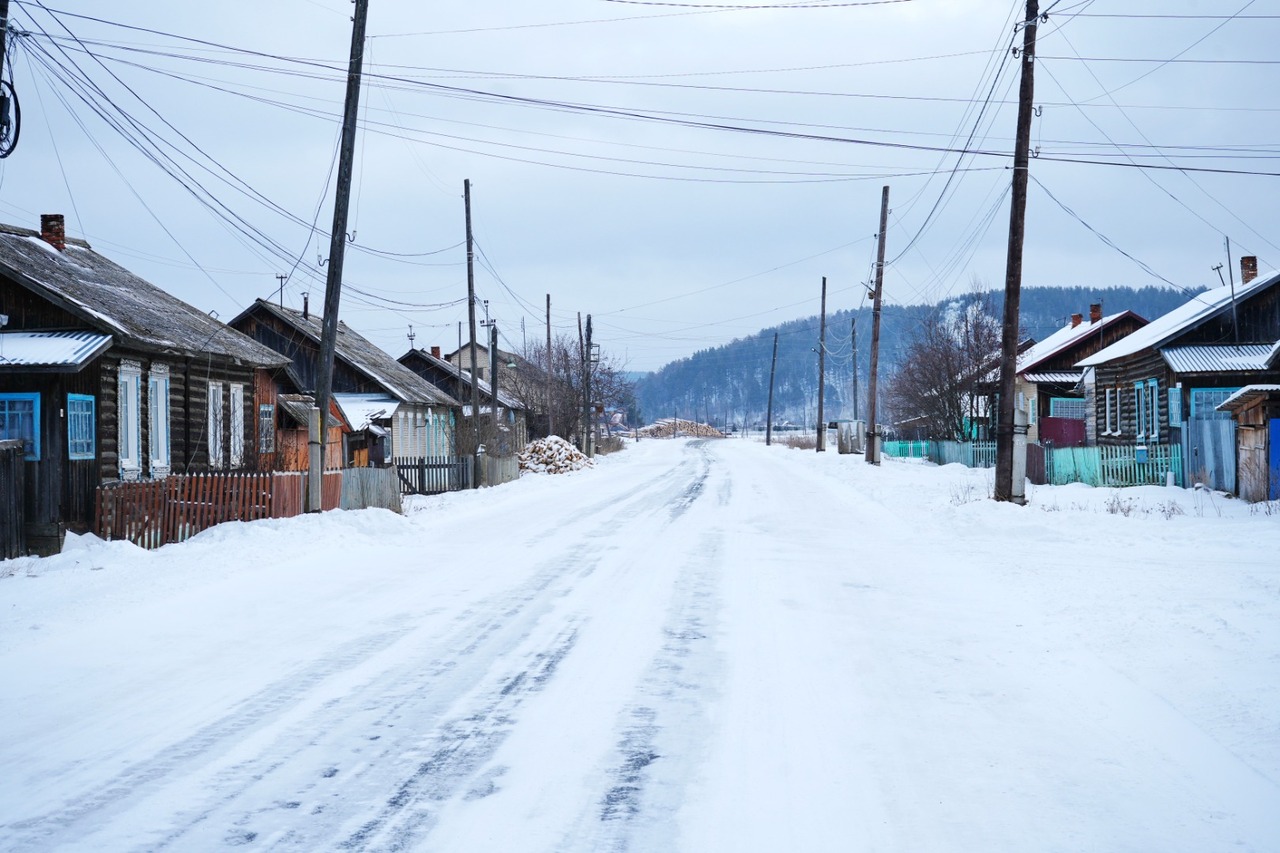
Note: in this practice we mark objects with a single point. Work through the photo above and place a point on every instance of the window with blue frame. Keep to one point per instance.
(81, 442)
(20, 419)
(1205, 401)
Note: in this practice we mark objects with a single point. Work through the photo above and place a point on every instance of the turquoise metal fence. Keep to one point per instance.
(906, 449)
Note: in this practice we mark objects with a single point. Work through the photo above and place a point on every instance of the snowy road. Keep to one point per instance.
(699, 646)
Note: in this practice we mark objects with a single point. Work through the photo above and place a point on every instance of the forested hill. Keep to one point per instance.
(730, 383)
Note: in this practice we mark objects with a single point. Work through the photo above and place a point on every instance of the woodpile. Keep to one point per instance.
(552, 455)
(682, 428)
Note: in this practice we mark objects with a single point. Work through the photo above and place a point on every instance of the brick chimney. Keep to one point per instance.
(435, 352)
(1076, 319)
(1095, 312)
(53, 230)
(1248, 268)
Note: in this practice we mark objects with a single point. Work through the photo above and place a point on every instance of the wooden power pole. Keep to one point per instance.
(822, 370)
(471, 322)
(873, 447)
(337, 250)
(768, 418)
(550, 420)
(1004, 486)
(853, 337)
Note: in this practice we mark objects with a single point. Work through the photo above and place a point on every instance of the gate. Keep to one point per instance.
(433, 475)
(13, 518)
(1210, 454)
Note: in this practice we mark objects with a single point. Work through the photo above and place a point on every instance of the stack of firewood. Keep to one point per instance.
(552, 455)
(665, 427)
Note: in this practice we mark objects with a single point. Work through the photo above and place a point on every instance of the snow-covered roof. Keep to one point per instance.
(111, 300)
(1185, 317)
(1217, 358)
(1063, 339)
(505, 399)
(1247, 394)
(361, 410)
(53, 351)
(363, 356)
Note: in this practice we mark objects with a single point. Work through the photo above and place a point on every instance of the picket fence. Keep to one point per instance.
(1094, 466)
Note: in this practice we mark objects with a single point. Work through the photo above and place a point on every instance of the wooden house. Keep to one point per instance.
(513, 431)
(1049, 386)
(389, 410)
(1164, 383)
(106, 377)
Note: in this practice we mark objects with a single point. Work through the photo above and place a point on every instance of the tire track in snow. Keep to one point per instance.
(144, 777)
(411, 697)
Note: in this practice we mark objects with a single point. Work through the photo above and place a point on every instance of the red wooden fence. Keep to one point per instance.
(157, 512)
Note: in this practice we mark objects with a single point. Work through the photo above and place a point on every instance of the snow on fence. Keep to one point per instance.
(173, 509)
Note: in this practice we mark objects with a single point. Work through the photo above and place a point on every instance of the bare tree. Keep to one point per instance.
(935, 388)
(561, 398)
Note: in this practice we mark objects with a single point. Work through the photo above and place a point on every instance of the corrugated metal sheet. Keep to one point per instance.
(362, 409)
(1066, 377)
(1247, 395)
(67, 351)
(1221, 358)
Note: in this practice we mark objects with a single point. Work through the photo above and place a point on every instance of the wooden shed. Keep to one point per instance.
(1256, 409)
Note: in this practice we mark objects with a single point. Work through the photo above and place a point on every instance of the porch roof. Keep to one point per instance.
(360, 410)
(1247, 396)
(50, 352)
(1217, 358)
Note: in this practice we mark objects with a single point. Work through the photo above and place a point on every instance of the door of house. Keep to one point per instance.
(1275, 459)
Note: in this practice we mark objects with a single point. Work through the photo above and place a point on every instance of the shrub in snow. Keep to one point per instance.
(552, 455)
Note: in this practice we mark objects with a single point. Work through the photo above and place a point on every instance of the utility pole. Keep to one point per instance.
(471, 322)
(873, 447)
(822, 369)
(282, 278)
(588, 430)
(854, 338)
(493, 381)
(550, 424)
(1235, 320)
(1004, 485)
(10, 116)
(337, 250)
(768, 418)
(582, 381)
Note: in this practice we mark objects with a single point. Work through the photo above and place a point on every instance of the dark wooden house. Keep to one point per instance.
(107, 377)
(513, 430)
(1163, 384)
(390, 410)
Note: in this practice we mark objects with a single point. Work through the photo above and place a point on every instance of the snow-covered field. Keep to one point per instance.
(694, 646)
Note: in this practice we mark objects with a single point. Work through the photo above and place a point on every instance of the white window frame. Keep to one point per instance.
(215, 419)
(237, 425)
(1140, 409)
(158, 418)
(129, 419)
(266, 427)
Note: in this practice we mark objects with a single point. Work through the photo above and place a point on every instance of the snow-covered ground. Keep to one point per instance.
(694, 646)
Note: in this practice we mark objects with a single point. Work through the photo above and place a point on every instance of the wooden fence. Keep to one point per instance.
(433, 475)
(364, 488)
(496, 470)
(13, 519)
(158, 512)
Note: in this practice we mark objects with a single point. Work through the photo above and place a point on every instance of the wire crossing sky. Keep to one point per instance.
(684, 172)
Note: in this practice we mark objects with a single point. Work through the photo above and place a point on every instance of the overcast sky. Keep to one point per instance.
(685, 174)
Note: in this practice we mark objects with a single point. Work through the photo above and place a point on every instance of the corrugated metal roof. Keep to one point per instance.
(58, 351)
(112, 300)
(1218, 358)
(1247, 394)
(1185, 317)
(1062, 377)
(1066, 337)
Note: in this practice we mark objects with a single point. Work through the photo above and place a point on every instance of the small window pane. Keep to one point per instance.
(19, 419)
(80, 426)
